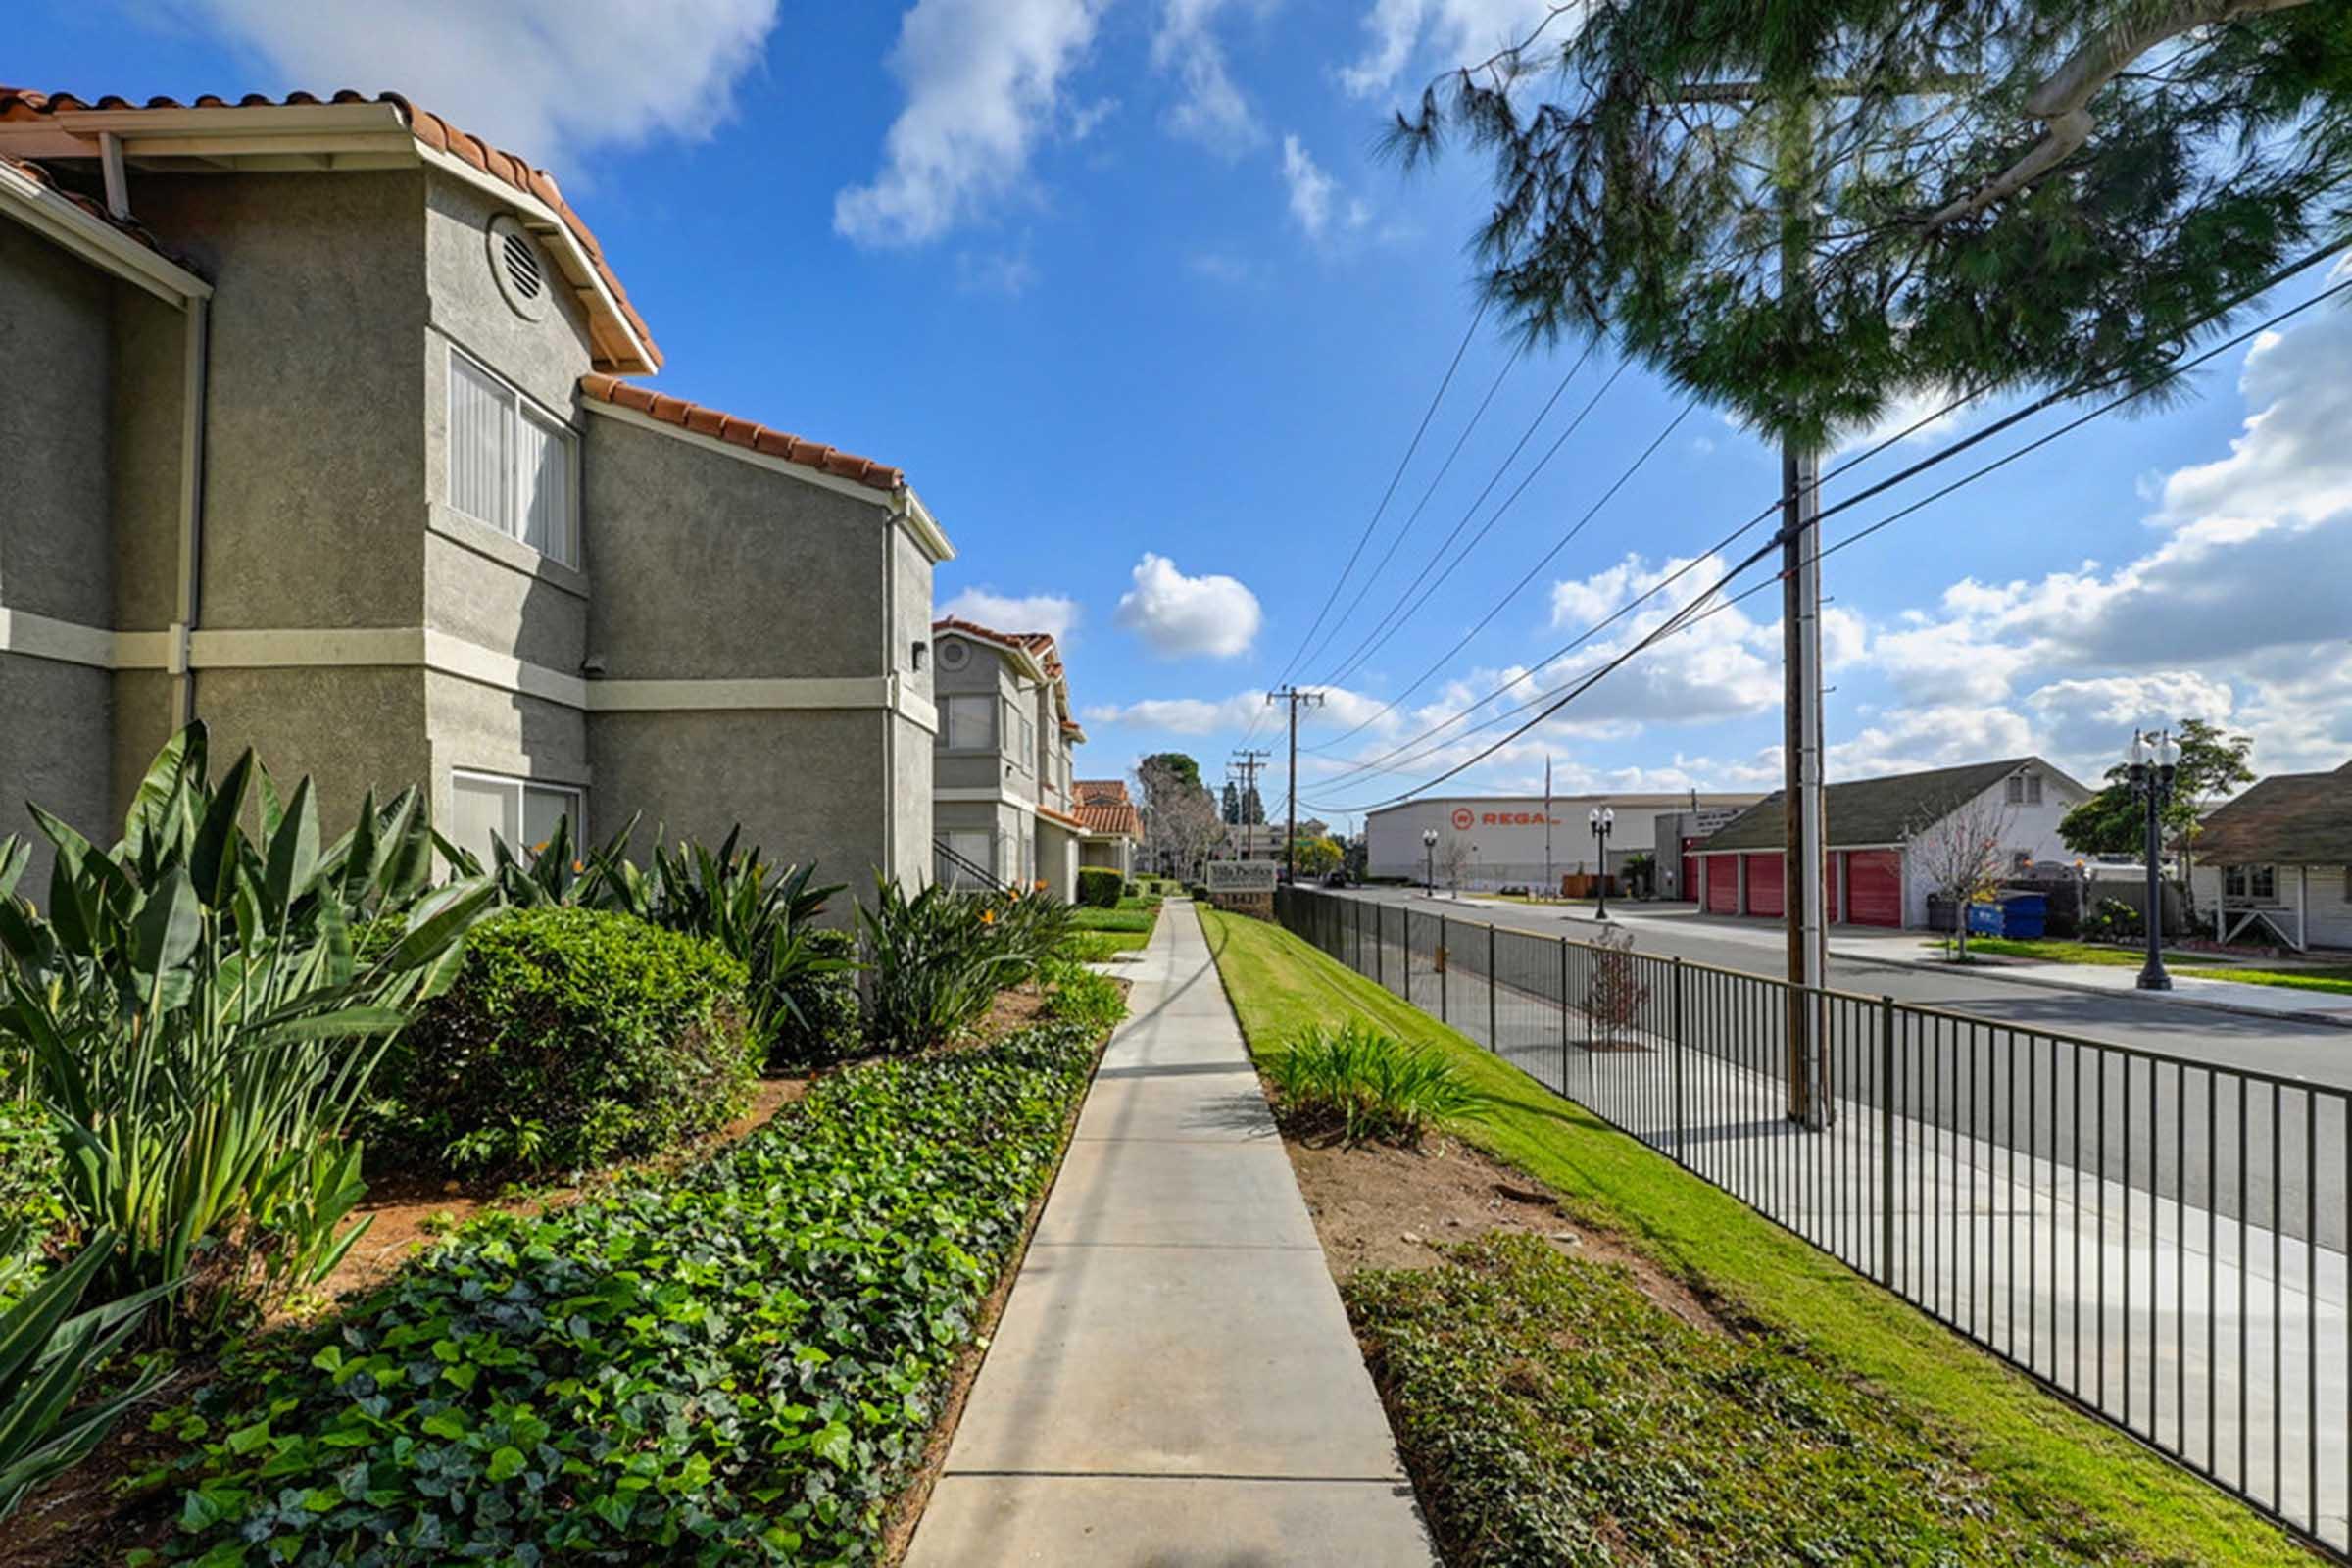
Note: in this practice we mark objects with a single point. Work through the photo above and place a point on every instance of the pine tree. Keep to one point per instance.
(1985, 195)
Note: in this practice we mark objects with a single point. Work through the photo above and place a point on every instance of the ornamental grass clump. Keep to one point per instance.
(935, 960)
(194, 1012)
(739, 1362)
(1365, 1086)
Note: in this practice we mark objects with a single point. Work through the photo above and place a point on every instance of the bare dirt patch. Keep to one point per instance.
(1379, 1206)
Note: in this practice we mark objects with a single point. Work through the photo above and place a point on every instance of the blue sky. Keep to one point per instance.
(1124, 288)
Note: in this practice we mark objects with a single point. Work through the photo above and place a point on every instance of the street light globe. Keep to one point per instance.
(1429, 836)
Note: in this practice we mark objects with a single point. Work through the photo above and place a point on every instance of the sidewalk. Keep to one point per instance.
(1908, 949)
(1174, 1382)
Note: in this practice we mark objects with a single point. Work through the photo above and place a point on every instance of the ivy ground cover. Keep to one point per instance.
(738, 1363)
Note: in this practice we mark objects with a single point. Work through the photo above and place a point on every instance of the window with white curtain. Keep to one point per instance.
(510, 464)
(521, 811)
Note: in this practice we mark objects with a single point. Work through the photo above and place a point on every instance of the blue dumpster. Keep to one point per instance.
(1983, 919)
(2025, 916)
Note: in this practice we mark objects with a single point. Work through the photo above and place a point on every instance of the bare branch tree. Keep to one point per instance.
(1455, 854)
(1181, 823)
(1962, 857)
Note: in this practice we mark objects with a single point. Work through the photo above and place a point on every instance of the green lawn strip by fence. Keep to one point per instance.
(739, 1362)
(2053, 951)
(2043, 1458)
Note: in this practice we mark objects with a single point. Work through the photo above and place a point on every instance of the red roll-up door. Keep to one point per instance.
(1764, 882)
(1689, 887)
(1723, 884)
(1875, 885)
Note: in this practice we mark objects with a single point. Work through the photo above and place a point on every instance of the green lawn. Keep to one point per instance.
(2043, 1456)
(2052, 950)
(1098, 934)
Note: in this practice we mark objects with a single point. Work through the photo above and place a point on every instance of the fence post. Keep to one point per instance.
(1887, 1141)
(1562, 943)
(1677, 1060)
(1380, 942)
(1443, 966)
(1494, 1040)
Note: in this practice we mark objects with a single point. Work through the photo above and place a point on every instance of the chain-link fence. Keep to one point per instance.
(2160, 1240)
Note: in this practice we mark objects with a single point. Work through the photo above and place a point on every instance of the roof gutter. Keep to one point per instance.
(52, 216)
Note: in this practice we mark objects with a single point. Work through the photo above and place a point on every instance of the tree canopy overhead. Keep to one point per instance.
(1981, 193)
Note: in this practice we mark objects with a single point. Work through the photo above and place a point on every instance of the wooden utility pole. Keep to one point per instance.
(1294, 697)
(1246, 763)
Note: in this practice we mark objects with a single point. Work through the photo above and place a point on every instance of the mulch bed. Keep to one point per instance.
(1379, 1208)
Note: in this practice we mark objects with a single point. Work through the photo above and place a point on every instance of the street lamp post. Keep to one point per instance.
(2153, 763)
(1429, 855)
(1603, 821)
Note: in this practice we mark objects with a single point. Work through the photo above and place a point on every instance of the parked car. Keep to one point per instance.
(1334, 879)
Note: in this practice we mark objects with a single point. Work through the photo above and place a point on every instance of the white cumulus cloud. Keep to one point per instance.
(1443, 33)
(1179, 617)
(1213, 111)
(546, 78)
(1015, 612)
(984, 80)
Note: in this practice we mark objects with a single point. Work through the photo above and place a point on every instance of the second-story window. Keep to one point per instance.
(965, 723)
(509, 463)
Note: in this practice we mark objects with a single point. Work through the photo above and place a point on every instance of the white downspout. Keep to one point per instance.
(195, 367)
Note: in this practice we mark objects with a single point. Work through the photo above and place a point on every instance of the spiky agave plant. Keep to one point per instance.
(193, 1010)
(934, 962)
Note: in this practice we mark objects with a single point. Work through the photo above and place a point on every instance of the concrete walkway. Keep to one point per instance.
(1174, 1382)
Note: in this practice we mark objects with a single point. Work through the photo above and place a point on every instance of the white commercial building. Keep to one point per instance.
(1516, 840)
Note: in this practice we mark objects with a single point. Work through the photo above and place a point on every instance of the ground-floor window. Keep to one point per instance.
(521, 811)
(966, 860)
(2259, 883)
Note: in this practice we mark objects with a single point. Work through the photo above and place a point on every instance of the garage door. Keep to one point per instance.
(1764, 883)
(1875, 885)
(1829, 888)
(1690, 884)
(1723, 884)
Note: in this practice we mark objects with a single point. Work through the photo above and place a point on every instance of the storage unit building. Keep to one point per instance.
(1869, 874)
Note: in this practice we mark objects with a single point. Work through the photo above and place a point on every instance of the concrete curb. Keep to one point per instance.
(2046, 983)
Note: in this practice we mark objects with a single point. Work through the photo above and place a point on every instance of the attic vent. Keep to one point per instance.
(953, 654)
(515, 262)
(523, 267)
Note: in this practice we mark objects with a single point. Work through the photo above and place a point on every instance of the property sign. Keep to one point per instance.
(1242, 876)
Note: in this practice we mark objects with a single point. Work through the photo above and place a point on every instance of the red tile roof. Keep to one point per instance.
(1101, 791)
(745, 433)
(1062, 818)
(429, 130)
(1107, 818)
(136, 231)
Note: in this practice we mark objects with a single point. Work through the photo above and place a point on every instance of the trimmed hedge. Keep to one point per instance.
(573, 1038)
(1099, 889)
(830, 1028)
(740, 1363)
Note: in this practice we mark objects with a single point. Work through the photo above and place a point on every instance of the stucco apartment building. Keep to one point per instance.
(316, 427)
(1004, 798)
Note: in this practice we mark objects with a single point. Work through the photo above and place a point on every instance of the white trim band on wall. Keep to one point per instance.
(422, 647)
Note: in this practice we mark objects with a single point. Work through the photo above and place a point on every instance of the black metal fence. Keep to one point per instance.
(2160, 1240)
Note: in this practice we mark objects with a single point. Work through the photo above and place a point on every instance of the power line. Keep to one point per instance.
(1526, 577)
(1686, 617)
(1382, 565)
(1392, 621)
(1411, 446)
(2084, 384)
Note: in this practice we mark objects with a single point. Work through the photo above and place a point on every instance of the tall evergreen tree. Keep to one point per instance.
(1978, 195)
